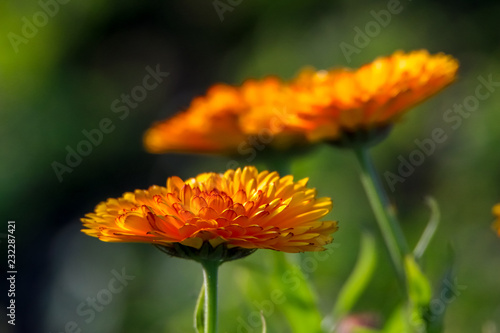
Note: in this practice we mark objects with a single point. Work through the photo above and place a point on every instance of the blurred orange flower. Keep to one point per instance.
(240, 208)
(223, 119)
(330, 104)
(496, 224)
(210, 124)
(315, 106)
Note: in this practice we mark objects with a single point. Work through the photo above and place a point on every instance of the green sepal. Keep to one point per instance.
(221, 253)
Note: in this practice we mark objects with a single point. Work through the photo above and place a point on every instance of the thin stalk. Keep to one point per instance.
(386, 219)
(210, 273)
(429, 230)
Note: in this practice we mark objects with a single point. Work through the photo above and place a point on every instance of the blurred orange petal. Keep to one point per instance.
(496, 213)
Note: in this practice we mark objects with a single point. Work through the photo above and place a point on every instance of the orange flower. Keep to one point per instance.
(330, 104)
(210, 124)
(316, 106)
(496, 224)
(239, 209)
(225, 118)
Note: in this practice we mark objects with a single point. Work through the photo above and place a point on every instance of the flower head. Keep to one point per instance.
(226, 117)
(335, 106)
(210, 124)
(332, 104)
(496, 213)
(238, 209)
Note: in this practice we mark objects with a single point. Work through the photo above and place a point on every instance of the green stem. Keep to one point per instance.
(384, 214)
(429, 230)
(210, 272)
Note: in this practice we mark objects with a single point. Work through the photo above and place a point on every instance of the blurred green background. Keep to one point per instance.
(62, 70)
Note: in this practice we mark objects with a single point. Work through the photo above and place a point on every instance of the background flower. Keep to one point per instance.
(226, 117)
(496, 212)
(319, 105)
(210, 124)
(332, 103)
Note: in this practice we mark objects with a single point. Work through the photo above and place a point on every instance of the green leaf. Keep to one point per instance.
(435, 319)
(300, 307)
(278, 289)
(199, 312)
(406, 318)
(359, 278)
(419, 288)
(397, 322)
(420, 292)
(409, 317)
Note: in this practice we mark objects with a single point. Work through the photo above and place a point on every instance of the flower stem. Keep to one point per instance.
(384, 214)
(210, 272)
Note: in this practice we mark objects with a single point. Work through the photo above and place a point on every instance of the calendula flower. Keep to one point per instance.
(240, 209)
(330, 105)
(316, 106)
(225, 118)
(496, 213)
(209, 125)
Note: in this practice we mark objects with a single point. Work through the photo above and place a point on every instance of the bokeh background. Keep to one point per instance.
(62, 75)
